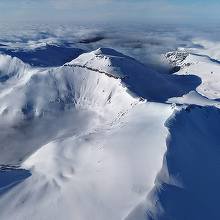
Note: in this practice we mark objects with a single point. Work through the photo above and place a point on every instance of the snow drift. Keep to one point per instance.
(187, 187)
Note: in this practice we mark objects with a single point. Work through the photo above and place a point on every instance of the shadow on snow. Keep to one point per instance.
(11, 176)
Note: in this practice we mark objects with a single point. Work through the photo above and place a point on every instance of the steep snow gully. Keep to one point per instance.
(105, 137)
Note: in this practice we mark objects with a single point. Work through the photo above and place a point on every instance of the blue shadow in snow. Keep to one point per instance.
(149, 84)
(4, 78)
(193, 159)
(48, 56)
(10, 176)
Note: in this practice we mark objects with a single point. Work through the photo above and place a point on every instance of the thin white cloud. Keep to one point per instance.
(162, 11)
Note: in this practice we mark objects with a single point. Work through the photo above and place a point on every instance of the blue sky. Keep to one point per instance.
(145, 11)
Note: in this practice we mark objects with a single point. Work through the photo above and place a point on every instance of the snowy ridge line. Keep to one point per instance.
(93, 69)
(208, 57)
(5, 167)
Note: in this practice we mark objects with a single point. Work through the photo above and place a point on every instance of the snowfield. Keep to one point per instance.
(106, 137)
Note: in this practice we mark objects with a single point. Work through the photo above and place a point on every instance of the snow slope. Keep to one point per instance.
(96, 173)
(87, 139)
(67, 126)
(187, 187)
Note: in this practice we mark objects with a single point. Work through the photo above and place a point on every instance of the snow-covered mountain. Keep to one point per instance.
(87, 140)
(202, 66)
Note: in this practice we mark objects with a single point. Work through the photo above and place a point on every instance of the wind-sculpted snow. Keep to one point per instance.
(101, 170)
(187, 186)
(84, 140)
(66, 125)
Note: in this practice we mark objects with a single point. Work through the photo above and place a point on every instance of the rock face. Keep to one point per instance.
(177, 59)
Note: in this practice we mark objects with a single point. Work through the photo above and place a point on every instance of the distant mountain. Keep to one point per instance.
(48, 55)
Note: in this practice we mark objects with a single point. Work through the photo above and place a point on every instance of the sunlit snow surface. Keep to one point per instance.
(96, 134)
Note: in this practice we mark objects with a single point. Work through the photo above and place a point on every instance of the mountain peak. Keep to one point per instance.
(104, 60)
(177, 57)
(108, 52)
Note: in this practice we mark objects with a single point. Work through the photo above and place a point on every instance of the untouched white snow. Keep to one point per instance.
(93, 134)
